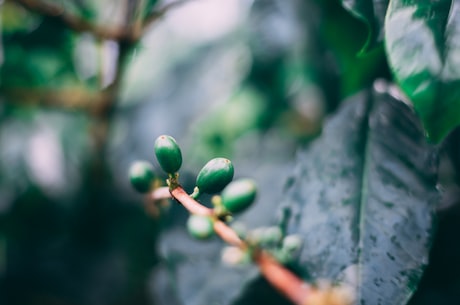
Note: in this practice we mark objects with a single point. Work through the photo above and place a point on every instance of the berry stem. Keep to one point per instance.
(193, 206)
(282, 279)
(160, 193)
(228, 235)
(131, 32)
(286, 282)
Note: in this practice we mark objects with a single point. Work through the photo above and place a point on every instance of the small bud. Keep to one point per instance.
(266, 236)
(239, 195)
(141, 176)
(200, 227)
(215, 175)
(234, 256)
(289, 249)
(168, 154)
(292, 243)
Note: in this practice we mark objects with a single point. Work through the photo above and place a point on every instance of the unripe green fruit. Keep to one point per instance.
(200, 227)
(141, 176)
(289, 249)
(239, 195)
(215, 175)
(292, 243)
(266, 236)
(235, 256)
(168, 154)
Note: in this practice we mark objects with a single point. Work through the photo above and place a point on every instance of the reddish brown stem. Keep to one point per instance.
(286, 282)
(278, 276)
(160, 193)
(189, 203)
(282, 279)
(228, 235)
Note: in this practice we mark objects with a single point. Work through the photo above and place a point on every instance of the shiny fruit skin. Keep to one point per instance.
(239, 195)
(200, 227)
(215, 175)
(168, 154)
(141, 176)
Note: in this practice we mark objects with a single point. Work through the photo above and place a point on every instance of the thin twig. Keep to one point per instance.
(191, 205)
(77, 23)
(77, 98)
(228, 235)
(160, 193)
(286, 282)
(290, 285)
(130, 32)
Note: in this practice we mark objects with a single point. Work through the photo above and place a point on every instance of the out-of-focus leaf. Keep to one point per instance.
(149, 7)
(363, 197)
(373, 14)
(109, 13)
(422, 43)
(42, 58)
(345, 36)
(45, 150)
(222, 127)
(15, 18)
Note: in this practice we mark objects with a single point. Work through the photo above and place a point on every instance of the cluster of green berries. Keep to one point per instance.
(235, 196)
(283, 247)
(215, 176)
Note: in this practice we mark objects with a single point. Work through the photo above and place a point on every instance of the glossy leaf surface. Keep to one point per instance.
(363, 197)
(422, 41)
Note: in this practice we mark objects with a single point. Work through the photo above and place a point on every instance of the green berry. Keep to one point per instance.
(266, 236)
(141, 176)
(168, 154)
(215, 175)
(289, 249)
(235, 256)
(200, 227)
(292, 243)
(239, 195)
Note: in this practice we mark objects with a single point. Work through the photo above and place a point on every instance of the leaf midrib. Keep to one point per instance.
(364, 192)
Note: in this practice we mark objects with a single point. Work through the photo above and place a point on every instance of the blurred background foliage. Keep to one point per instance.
(85, 88)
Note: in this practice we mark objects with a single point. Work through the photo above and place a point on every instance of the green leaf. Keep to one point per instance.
(373, 14)
(39, 58)
(363, 197)
(422, 43)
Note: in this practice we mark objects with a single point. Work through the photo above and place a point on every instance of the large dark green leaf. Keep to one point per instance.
(422, 41)
(363, 197)
(372, 12)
